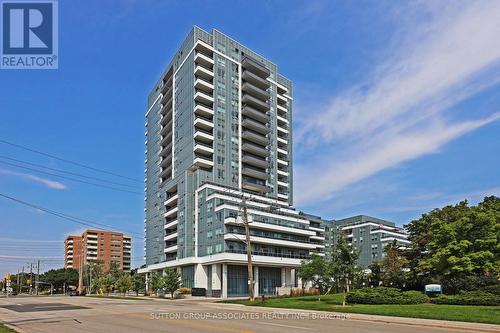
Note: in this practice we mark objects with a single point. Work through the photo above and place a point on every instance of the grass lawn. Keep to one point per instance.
(5, 329)
(470, 313)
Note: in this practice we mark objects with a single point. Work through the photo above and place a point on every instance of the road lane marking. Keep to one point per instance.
(288, 326)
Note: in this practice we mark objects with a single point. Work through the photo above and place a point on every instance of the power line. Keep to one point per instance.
(69, 172)
(70, 178)
(67, 161)
(74, 219)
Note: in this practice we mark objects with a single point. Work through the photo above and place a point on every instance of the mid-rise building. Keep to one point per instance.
(219, 132)
(72, 251)
(369, 236)
(98, 246)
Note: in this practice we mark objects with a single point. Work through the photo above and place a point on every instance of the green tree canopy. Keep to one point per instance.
(61, 276)
(124, 283)
(456, 243)
(315, 271)
(139, 283)
(172, 281)
(394, 266)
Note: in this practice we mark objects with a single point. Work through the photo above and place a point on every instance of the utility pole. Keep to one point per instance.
(18, 280)
(80, 274)
(37, 276)
(19, 284)
(249, 249)
(31, 278)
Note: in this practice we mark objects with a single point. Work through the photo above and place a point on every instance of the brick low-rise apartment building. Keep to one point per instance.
(97, 245)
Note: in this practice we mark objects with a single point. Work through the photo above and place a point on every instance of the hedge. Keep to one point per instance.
(383, 295)
(468, 298)
(492, 289)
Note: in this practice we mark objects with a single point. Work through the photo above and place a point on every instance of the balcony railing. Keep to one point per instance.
(255, 67)
(253, 113)
(271, 254)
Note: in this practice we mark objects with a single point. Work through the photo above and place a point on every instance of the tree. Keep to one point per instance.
(138, 282)
(124, 283)
(157, 282)
(107, 283)
(93, 271)
(343, 264)
(375, 275)
(315, 271)
(60, 277)
(172, 281)
(115, 270)
(456, 243)
(394, 265)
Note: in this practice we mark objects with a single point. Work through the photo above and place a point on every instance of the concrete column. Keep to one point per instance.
(256, 281)
(148, 282)
(224, 280)
(292, 273)
(200, 276)
(216, 277)
(286, 277)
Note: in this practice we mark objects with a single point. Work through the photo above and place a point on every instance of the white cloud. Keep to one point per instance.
(401, 115)
(425, 202)
(44, 181)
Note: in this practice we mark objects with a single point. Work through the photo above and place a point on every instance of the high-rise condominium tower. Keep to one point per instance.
(218, 128)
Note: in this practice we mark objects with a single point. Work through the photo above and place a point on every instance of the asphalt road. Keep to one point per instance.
(88, 314)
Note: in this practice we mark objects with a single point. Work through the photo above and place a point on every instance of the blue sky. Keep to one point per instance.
(396, 108)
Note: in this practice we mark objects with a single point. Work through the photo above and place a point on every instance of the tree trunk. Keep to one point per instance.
(346, 291)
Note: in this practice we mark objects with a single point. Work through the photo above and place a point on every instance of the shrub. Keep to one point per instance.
(383, 295)
(468, 298)
(185, 291)
(493, 289)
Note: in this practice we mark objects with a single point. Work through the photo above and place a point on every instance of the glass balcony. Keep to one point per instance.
(251, 186)
(203, 85)
(203, 98)
(203, 162)
(255, 149)
(255, 126)
(203, 123)
(203, 136)
(255, 80)
(255, 91)
(203, 110)
(204, 73)
(253, 113)
(203, 59)
(255, 103)
(255, 137)
(255, 67)
(255, 173)
(258, 162)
